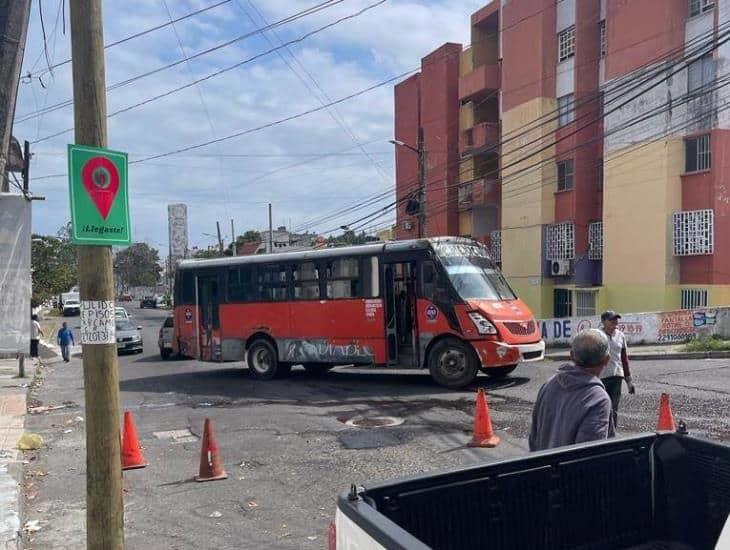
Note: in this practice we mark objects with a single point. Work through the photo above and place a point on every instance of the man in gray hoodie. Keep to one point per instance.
(573, 406)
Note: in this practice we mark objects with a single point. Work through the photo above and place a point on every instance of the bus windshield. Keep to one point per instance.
(473, 273)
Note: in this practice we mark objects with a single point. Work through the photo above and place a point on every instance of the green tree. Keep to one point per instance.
(137, 265)
(54, 265)
(203, 254)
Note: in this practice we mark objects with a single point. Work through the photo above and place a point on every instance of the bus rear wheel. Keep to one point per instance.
(263, 362)
(452, 363)
(499, 372)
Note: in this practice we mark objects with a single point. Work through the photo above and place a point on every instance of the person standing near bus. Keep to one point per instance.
(617, 370)
(35, 335)
(65, 339)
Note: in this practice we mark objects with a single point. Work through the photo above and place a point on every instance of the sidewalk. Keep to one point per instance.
(647, 353)
(13, 408)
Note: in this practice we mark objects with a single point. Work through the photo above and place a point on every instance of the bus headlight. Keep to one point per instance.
(482, 324)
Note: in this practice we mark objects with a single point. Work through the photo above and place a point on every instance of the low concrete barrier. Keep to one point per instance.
(661, 327)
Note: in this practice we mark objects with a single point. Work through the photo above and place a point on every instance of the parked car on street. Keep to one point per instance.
(71, 307)
(129, 337)
(121, 314)
(165, 339)
(148, 301)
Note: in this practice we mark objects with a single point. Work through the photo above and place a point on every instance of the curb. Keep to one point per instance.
(659, 356)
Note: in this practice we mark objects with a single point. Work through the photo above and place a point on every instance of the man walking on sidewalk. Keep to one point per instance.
(35, 335)
(65, 338)
(573, 406)
(617, 369)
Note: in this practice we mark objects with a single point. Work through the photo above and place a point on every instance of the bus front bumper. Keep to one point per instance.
(498, 354)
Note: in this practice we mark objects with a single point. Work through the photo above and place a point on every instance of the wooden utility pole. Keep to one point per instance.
(233, 240)
(220, 239)
(271, 232)
(14, 15)
(104, 507)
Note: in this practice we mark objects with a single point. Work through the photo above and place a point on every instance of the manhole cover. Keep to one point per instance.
(374, 421)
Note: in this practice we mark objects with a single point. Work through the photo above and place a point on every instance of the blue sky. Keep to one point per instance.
(236, 178)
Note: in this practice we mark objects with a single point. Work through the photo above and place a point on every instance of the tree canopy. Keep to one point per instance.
(54, 264)
(137, 265)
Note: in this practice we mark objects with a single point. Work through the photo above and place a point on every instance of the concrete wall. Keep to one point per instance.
(15, 274)
(665, 327)
(642, 188)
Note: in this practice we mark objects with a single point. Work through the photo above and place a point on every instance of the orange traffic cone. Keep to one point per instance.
(210, 464)
(666, 418)
(484, 435)
(131, 451)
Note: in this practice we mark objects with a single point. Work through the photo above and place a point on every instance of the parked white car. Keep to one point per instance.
(121, 314)
(71, 307)
(165, 339)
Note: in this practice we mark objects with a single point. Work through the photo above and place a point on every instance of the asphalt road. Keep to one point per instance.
(286, 446)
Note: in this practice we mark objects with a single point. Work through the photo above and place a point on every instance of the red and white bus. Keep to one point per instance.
(440, 304)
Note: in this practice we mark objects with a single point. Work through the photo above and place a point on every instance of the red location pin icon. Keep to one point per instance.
(101, 180)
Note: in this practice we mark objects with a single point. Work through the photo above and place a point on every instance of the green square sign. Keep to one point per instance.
(99, 196)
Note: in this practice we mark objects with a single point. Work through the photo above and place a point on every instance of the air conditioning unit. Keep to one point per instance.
(559, 268)
(407, 225)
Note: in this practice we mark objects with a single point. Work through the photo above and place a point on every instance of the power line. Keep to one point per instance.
(222, 71)
(333, 112)
(387, 208)
(294, 17)
(31, 75)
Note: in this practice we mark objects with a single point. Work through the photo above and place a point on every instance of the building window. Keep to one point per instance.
(565, 175)
(585, 303)
(566, 43)
(693, 298)
(566, 109)
(595, 241)
(694, 232)
(602, 31)
(697, 155)
(562, 302)
(560, 241)
(700, 74)
(697, 7)
(496, 248)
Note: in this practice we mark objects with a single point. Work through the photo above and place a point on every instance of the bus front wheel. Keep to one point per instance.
(452, 363)
(263, 363)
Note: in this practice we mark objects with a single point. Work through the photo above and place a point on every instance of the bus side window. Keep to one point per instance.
(188, 287)
(429, 279)
(370, 277)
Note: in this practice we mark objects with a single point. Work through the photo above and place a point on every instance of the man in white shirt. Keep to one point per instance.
(617, 369)
(35, 335)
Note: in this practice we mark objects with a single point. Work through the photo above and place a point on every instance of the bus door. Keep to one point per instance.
(400, 313)
(209, 297)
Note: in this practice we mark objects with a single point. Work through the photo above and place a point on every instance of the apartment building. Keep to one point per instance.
(584, 141)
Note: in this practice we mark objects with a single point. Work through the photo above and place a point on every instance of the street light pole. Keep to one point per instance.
(420, 150)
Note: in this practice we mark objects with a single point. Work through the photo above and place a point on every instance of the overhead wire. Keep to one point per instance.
(32, 74)
(294, 17)
(383, 211)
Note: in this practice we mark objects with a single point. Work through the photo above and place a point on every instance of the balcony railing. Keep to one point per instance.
(481, 80)
(477, 193)
(479, 137)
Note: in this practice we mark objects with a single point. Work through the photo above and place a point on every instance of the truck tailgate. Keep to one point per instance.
(623, 493)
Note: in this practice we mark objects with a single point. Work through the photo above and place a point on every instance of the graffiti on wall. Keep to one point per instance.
(313, 351)
(650, 328)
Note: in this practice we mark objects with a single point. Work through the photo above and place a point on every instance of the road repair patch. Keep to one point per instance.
(177, 436)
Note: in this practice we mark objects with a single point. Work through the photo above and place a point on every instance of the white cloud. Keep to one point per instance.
(347, 58)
